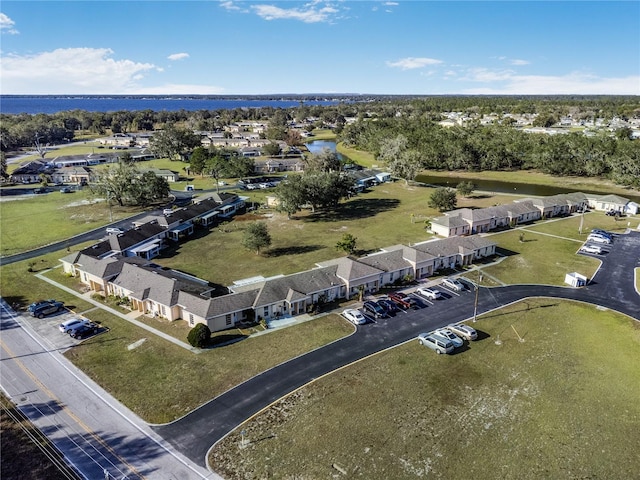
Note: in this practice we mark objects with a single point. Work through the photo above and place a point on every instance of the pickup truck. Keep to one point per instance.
(403, 301)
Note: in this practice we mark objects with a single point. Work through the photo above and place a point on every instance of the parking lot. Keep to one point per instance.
(47, 329)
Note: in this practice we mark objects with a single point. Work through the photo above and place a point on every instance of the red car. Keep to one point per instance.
(401, 300)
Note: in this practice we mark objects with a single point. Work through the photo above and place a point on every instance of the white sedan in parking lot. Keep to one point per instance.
(354, 316)
(591, 249)
(430, 293)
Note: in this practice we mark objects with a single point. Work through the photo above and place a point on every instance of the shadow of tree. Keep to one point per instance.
(292, 250)
(505, 252)
(355, 209)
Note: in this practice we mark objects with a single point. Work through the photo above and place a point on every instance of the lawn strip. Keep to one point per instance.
(561, 404)
(161, 382)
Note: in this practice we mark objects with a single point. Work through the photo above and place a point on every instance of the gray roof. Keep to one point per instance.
(215, 307)
(446, 247)
(391, 261)
(450, 221)
(351, 269)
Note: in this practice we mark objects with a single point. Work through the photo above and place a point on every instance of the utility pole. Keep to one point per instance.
(475, 305)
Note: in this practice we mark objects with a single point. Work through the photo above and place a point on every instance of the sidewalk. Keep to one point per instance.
(128, 317)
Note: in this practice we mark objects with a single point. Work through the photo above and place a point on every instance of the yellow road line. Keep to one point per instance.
(62, 407)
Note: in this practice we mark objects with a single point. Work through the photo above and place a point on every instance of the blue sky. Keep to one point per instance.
(368, 47)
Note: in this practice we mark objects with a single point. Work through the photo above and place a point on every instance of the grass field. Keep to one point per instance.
(561, 404)
(160, 381)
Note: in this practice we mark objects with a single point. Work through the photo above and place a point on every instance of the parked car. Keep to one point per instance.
(45, 307)
(39, 190)
(66, 190)
(374, 309)
(604, 233)
(72, 324)
(400, 300)
(453, 284)
(598, 239)
(436, 342)
(114, 230)
(389, 306)
(354, 316)
(430, 293)
(446, 333)
(464, 331)
(84, 330)
(591, 249)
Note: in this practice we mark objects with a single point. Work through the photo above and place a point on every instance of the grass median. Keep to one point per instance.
(560, 404)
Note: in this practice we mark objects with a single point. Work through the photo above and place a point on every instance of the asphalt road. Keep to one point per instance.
(194, 434)
(94, 432)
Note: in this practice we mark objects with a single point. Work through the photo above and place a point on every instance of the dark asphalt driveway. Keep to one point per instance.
(194, 434)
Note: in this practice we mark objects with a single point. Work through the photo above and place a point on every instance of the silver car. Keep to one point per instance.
(72, 324)
(446, 333)
(453, 284)
(436, 342)
(464, 331)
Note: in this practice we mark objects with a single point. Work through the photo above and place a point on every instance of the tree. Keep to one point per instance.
(443, 198)
(173, 143)
(271, 149)
(149, 188)
(405, 166)
(347, 243)
(216, 166)
(465, 188)
(290, 194)
(116, 182)
(199, 336)
(325, 161)
(3, 165)
(198, 160)
(256, 237)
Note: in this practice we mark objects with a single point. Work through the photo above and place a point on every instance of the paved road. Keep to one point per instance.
(194, 434)
(94, 432)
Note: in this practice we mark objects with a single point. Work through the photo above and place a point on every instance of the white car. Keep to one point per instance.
(72, 324)
(598, 239)
(464, 331)
(430, 293)
(446, 333)
(591, 249)
(354, 316)
(453, 284)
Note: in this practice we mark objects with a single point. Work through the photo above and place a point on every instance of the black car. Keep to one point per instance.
(389, 306)
(85, 330)
(374, 309)
(45, 307)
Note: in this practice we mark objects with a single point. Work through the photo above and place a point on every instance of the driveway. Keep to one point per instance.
(195, 433)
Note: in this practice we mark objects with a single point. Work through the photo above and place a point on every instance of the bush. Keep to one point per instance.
(199, 336)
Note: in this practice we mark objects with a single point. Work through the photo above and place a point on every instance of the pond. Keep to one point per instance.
(317, 146)
(496, 186)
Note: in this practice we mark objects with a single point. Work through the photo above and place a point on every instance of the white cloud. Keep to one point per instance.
(6, 25)
(575, 83)
(391, 4)
(178, 56)
(229, 5)
(70, 70)
(518, 61)
(410, 63)
(310, 13)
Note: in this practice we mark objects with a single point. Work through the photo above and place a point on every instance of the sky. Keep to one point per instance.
(234, 47)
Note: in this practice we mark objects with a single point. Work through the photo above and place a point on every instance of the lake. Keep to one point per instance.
(15, 104)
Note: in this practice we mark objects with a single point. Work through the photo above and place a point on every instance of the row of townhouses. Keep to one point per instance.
(153, 290)
(467, 221)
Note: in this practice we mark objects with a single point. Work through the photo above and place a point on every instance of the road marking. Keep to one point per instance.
(65, 409)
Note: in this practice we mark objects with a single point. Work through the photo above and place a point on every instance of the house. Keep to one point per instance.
(29, 172)
(168, 175)
(607, 202)
(355, 275)
(450, 226)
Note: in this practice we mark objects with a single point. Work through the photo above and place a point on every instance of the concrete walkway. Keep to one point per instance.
(87, 297)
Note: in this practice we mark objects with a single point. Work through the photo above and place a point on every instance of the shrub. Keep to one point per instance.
(199, 336)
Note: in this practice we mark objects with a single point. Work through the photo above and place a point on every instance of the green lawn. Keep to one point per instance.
(538, 259)
(378, 218)
(570, 227)
(561, 404)
(42, 219)
(160, 381)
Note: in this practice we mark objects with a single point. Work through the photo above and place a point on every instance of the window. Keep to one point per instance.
(228, 319)
(265, 312)
(191, 322)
